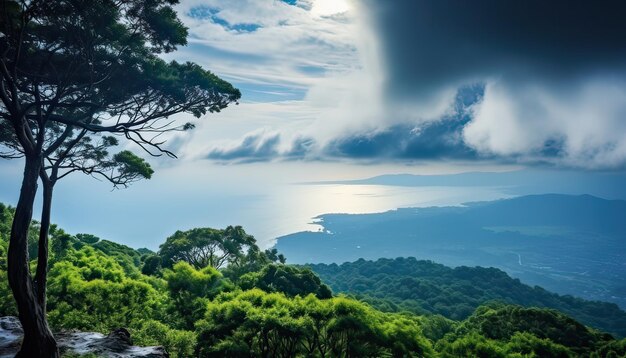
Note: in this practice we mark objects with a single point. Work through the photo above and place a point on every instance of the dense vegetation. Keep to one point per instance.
(423, 287)
(567, 244)
(257, 306)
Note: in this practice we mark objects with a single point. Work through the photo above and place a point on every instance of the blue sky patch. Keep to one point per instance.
(312, 70)
(211, 13)
(269, 93)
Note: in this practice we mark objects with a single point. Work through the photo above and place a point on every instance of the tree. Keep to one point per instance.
(290, 280)
(190, 289)
(151, 265)
(499, 321)
(260, 324)
(254, 260)
(80, 155)
(73, 66)
(202, 247)
(91, 291)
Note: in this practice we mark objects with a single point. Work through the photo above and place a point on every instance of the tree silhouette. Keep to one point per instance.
(69, 67)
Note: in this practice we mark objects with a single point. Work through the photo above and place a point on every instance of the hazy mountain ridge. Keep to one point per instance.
(518, 182)
(568, 244)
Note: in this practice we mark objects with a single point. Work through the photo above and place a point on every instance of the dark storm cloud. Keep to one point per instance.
(431, 45)
(440, 139)
(403, 142)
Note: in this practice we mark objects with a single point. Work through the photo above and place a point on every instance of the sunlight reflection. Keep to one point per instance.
(292, 208)
(330, 7)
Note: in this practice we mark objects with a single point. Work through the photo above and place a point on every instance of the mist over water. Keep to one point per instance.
(268, 203)
(274, 199)
(292, 208)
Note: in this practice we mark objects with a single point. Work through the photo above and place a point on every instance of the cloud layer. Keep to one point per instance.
(439, 139)
(271, 47)
(554, 73)
(382, 81)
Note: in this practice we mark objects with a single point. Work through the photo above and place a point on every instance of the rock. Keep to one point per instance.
(10, 336)
(118, 344)
(117, 341)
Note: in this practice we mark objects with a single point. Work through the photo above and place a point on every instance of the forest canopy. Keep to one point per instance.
(263, 307)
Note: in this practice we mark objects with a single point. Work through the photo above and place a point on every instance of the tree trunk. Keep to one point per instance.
(38, 339)
(41, 276)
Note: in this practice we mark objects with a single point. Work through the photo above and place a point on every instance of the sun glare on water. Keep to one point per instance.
(330, 7)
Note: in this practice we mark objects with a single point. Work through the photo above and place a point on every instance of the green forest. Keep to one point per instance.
(425, 287)
(214, 293)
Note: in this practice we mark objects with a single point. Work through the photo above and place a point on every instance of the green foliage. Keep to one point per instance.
(506, 330)
(471, 345)
(271, 324)
(76, 69)
(254, 260)
(612, 349)
(520, 344)
(61, 245)
(290, 280)
(435, 327)
(185, 279)
(6, 220)
(7, 303)
(286, 311)
(178, 343)
(124, 41)
(144, 251)
(501, 322)
(130, 166)
(87, 238)
(151, 265)
(89, 290)
(127, 257)
(204, 247)
(424, 287)
(190, 290)
(530, 345)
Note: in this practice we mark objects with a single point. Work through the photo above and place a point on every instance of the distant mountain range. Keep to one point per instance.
(519, 182)
(568, 244)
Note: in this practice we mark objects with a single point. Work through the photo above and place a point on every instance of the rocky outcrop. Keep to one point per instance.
(118, 344)
(10, 336)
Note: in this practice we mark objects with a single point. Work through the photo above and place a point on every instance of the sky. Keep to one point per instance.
(349, 89)
(368, 81)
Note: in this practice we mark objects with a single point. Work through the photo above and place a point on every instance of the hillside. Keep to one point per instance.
(424, 287)
(257, 306)
(567, 244)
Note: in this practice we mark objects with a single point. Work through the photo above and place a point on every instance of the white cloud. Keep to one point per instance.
(333, 61)
(331, 76)
(584, 122)
(289, 41)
